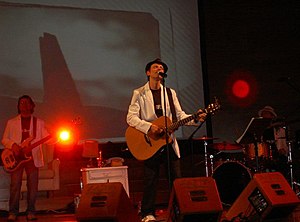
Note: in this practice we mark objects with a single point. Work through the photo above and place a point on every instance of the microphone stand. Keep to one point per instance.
(192, 144)
(193, 133)
(167, 133)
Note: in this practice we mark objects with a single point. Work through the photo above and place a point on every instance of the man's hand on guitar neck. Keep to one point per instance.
(201, 115)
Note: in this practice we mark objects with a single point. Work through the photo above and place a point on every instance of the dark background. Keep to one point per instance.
(257, 41)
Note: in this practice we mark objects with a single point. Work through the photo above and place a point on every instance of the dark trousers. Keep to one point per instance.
(32, 187)
(151, 176)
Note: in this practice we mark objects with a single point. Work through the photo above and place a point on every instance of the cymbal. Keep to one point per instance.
(277, 124)
(225, 146)
(203, 138)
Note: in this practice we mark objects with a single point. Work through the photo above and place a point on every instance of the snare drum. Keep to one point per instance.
(263, 150)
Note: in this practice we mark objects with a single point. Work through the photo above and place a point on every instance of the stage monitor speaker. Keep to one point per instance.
(107, 202)
(194, 199)
(267, 196)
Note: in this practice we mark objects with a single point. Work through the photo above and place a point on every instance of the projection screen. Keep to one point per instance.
(80, 60)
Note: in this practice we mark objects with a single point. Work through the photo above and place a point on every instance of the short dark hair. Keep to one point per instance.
(26, 97)
(158, 61)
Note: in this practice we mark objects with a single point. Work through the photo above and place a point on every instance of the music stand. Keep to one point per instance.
(253, 134)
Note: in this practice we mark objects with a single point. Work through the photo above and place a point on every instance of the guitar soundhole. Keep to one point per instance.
(161, 134)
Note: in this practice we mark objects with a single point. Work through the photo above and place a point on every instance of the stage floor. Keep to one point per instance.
(61, 209)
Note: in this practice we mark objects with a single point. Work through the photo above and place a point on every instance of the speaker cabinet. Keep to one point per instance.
(194, 199)
(107, 202)
(267, 196)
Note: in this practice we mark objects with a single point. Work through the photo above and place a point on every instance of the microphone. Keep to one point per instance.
(164, 75)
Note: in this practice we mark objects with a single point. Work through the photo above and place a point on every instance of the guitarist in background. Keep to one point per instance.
(18, 129)
(147, 105)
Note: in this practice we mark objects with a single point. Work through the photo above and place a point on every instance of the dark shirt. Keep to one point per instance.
(25, 122)
(157, 102)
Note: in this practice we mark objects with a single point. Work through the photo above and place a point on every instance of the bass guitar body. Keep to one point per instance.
(11, 162)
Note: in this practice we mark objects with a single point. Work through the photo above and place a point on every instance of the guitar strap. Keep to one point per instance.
(34, 126)
(174, 118)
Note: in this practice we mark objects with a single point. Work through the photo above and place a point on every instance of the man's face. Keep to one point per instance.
(154, 71)
(25, 107)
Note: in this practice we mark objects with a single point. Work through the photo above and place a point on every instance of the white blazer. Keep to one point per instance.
(13, 134)
(141, 111)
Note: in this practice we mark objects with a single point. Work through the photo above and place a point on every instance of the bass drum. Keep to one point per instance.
(231, 178)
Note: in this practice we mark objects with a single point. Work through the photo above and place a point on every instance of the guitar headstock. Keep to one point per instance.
(213, 107)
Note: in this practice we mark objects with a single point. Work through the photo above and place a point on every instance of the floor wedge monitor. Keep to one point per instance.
(107, 202)
(194, 199)
(267, 196)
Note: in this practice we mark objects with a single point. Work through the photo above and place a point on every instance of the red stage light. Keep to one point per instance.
(241, 88)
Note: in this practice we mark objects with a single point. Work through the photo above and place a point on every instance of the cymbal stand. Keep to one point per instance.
(298, 186)
(290, 161)
(211, 157)
(191, 137)
(256, 153)
(205, 158)
(291, 164)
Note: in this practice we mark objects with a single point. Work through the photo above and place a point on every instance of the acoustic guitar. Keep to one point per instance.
(143, 146)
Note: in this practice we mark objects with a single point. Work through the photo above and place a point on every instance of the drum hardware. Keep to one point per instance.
(270, 143)
(298, 188)
(211, 157)
(264, 150)
(289, 153)
(205, 158)
(227, 147)
(253, 134)
(205, 139)
(290, 163)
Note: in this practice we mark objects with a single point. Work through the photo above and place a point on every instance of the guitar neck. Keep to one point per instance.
(40, 142)
(182, 122)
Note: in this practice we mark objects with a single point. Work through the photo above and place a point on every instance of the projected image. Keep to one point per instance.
(49, 54)
(79, 65)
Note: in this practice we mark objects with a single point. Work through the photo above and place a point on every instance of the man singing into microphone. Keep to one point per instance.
(147, 104)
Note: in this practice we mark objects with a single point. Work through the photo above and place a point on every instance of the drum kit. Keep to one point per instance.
(225, 163)
(233, 165)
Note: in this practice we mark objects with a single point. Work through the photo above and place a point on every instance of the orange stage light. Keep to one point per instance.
(67, 135)
(64, 135)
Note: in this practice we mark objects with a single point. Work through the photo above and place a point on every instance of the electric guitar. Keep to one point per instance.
(143, 146)
(11, 162)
